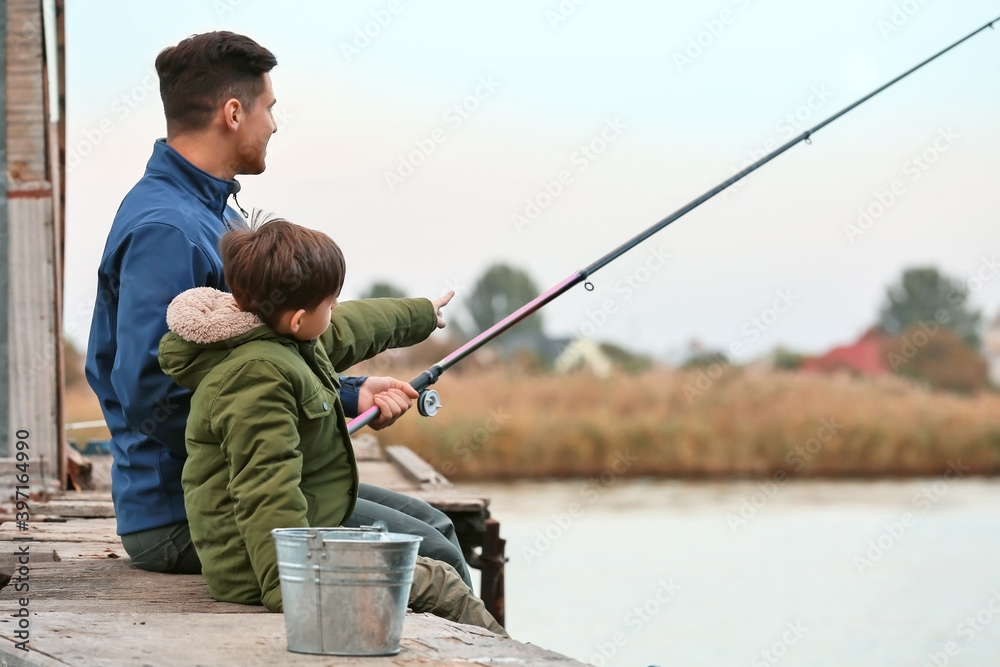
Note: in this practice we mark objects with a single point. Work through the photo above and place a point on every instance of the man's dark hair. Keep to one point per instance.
(279, 266)
(203, 71)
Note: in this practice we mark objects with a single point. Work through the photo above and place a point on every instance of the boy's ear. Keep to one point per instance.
(296, 322)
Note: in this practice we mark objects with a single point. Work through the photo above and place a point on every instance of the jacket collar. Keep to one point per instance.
(209, 190)
(204, 315)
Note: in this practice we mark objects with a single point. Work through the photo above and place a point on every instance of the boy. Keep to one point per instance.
(267, 442)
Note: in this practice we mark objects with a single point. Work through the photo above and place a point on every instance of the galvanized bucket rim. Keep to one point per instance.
(343, 536)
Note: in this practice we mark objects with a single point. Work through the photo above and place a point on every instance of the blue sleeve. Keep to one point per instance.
(156, 262)
(349, 390)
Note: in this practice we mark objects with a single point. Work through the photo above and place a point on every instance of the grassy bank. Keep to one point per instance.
(504, 424)
(498, 425)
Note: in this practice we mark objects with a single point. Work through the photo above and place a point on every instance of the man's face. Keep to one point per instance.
(255, 131)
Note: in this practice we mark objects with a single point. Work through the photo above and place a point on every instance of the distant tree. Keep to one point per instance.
(786, 359)
(924, 295)
(380, 290)
(938, 357)
(500, 291)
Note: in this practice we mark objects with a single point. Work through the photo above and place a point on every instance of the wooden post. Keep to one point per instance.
(31, 306)
(493, 559)
(5, 432)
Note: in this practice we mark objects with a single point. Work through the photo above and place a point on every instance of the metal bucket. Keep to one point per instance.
(344, 590)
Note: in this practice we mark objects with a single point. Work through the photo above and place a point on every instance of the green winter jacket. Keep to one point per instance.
(267, 439)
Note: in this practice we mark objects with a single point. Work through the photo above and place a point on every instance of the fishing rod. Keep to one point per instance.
(429, 402)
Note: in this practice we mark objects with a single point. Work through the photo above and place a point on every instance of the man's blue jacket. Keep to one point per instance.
(163, 241)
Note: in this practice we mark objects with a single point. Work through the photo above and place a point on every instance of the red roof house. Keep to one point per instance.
(865, 357)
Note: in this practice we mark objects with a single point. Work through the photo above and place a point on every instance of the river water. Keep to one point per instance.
(623, 572)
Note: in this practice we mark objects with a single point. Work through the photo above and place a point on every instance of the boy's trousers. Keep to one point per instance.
(438, 589)
(404, 514)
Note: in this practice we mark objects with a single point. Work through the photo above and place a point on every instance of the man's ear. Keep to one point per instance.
(232, 113)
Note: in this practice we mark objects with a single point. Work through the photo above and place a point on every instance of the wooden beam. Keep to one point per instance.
(5, 432)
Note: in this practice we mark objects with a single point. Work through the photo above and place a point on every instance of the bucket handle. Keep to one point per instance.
(314, 540)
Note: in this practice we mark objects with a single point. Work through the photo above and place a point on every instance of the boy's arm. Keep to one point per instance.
(361, 329)
(265, 466)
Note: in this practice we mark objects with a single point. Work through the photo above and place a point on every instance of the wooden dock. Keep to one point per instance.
(87, 605)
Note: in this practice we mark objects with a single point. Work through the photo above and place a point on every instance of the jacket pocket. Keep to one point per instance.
(318, 405)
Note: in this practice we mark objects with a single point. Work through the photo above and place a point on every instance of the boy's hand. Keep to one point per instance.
(393, 397)
(440, 303)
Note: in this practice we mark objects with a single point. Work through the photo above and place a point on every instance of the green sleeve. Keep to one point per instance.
(361, 329)
(265, 466)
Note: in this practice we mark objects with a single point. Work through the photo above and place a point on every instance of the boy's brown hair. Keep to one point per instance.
(277, 266)
(203, 71)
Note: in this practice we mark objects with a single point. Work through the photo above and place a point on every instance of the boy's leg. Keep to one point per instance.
(403, 514)
(438, 589)
(163, 549)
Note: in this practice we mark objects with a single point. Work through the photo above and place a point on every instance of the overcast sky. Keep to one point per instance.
(433, 138)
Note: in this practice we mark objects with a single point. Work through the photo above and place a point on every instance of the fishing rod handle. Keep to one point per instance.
(420, 383)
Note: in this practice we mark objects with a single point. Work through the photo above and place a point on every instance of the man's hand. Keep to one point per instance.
(393, 397)
(440, 303)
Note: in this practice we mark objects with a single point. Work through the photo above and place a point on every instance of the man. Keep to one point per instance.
(217, 99)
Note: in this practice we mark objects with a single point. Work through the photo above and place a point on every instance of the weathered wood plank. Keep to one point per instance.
(33, 337)
(256, 640)
(89, 530)
(26, 119)
(70, 508)
(419, 470)
(11, 656)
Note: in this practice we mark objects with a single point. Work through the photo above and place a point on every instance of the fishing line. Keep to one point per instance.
(429, 402)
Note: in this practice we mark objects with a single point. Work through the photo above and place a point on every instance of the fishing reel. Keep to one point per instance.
(428, 403)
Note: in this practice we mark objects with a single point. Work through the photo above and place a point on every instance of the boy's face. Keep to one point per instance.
(314, 322)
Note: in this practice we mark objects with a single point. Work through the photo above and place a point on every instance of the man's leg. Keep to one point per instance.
(403, 514)
(164, 549)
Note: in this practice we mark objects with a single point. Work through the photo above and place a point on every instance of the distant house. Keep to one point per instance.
(584, 353)
(864, 357)
(992, 350)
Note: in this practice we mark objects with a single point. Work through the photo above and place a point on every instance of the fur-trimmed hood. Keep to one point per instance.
(205, 315)
(205, 326)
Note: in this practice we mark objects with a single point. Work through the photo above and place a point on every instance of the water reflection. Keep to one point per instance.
(755, 573)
